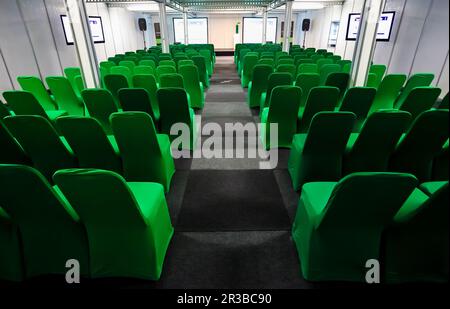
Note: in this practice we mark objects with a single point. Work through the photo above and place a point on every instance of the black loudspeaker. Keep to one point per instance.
(142, 24)
(306, 24)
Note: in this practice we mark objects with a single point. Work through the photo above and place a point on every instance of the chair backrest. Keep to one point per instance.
(4, 111)
(115, 82)
(416, 80)
(11, 151)
(143, 69)
(37, 88)
(41, 142)
(377, 141)
(388, 92)
(419, 100)
(24, 103)
(192, 84)
(327, 69)
(136, 100)
(322, 62)
(286, 61)
(266, 61)
(308, 68)
(185, 62)
(107, 65)
(65, 95)
(137, 139)
(277, 79)
(174, 108)
(200, 62)
(100, 104)
(320, 99)
(307, 81)
(339, 80)
(283, 107)
(249, 63)
(164, 69)
(261, 73)
(287, 68)
(168, 63)
(305, 61)
(379, 70)
(358, 100)
(130, 64)
(423, 141)
(124, 71)
(173, 80)
(148, 63)
(444, 104)
(71, 73)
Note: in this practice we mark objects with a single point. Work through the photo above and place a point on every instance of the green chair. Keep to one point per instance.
(417, 243)
(168, 63)
(137, 100)
(100, 104)
(209, 62)
(200, 62)
(370, 150)
(287, 68)
(307, 81)
(275, 79)
(50, 231)
(174, 109)
(424, 140)
(115, 82)
(258, 85)
(358, 100)
(11, 259)
(4, 111)
(283, 109)
(11, 151)
(344, 63)
(420, 99)
(74, 76)
(65, 95)
(347, 67)
(184, 62)
(164, 69)
(173, 80)
(132, 59)
(373, 80)
(107, 65)
(41, 143)
(130, 64)
(317, 155)
(148, 63)
(441, 164)
(240, 58)
(24, 103)
(316, 58)
(192, 84)
(148, 82)
(417, 80)
(325, 71)
(286, 61)
(444, 104)
(338, 226)
(388, 92)
(323, 62)
(89, 143)
(339, 80)
(306, 68)
(146, 155)
(127, 221)
(266, 61)
(320, 99)
(305, 61)
(124, 71)
(336, 58)
(37, 88)
(142, 69)
(250, 62)
(378, 71)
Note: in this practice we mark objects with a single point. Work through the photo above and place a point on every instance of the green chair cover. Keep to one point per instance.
(173, 80)
(65, 95)
(420, 99)
(307, 81)
(250, 62)
(127, 221)
(164, 69)
(100, 104)
(275, 79)
(115, 82)
(124, 71)
(148, 63)
(107, 65)
(317, 155)
(322, 62)
(148, 82)
(184, 62)
(358, 100)
(137, 100)
(266, 61)
(287, 68)
(286, 61)
(11, 151)
(441, 164)
(200, 62)
(37, 88)
(308, 68)
(74, 76)
(143, 69)
(258, 85)
(192, 84)
(416, 80)
(130, 64)
(50, 230)
(373, 80)
(11, 259)
(388, 92)
(339, 80)
(209, 62)
(89, 143)
(305, 61)
(444, 104)
(338, 226)
(4, 111)
(327, 69)
(146, 155)
(379, 70)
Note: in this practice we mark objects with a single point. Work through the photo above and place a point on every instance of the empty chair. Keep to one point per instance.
(388, 92)
(209, 62)
(258, 85)
(174, 109)
(266, 61)
(164, 69)
(308, 68)
(127, 221)
(193, 86)
(11, 151)
(373, 80)
(107, 65)
(65, 95)
(320, 99)
(89, 143)
(417, 80)
(444, 104)
(307, 81)
(143, 69)
(424, 140)
(376, 74)
(322, 62)
(338, 226)
(146, 155)
(200, 62)
(41, 143)
(343, 63)
(316, 58)
(358, 100)
(37, 88)
(173, 80)
(305, 61)
(148, 63)
(137, 100)
(168, 63)
(148, 82)
(287, 68)
(247, 69)
(130, 64)
(100, 104)
(74, 76)
(370, 150)
(124, 71)
(11, 259)
(441, 164)
(115, 82)
(275, 79)
(326, 70)
(339, 80)
(50, 230)
(417, 243)
(185, 62)
(286, 61)
(4, 111)
(419, 100)
(25, 103)
(283, 109)
(317, 155)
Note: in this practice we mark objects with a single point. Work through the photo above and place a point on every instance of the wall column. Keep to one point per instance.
(287, 25)
(164, 30)
(186, 28)
(264, 25)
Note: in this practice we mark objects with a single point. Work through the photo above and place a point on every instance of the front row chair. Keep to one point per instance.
(338, 226)
(65, 95)
(100, 104)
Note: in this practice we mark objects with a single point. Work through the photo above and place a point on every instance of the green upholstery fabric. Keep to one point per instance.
(115, 82)
(419, 100)
(127, 221)
(326, 70)
(107, 65)
(370, 150)
(164, 69)
(286, 61)
(308, 68)
(430, 188)
(124, 71)
(416, 80)
(100, 104)
(174, 108)
(282, 110)
(148, 63)
(11, 259)
(89, 143)
(146, 155)
(209, 61)
(4, 111)
(275, 79)
(129, 64)
(305, 61)
(444, 104)
(41, 142)
(317, 155)
(137, 100)
(65, 95)
(320, 99)
(287, 68)
(307, 81)
(37, 88)
(11, 151)
(143, 69)
(373, 80)
(173, 80)
(338, 80)
(247, 69)
(388, 92)
(74, 76)
(168, 63)
(423, 141)
(148, 82)
(258, 85)
(417, 244)
(378, 70)
(441, 164)
(50, 231)
(185, 62)
(24, 103)
(338, 232)
(266, 61)
(192, 85)
(200, 63)
(358, 100)
(323, 62)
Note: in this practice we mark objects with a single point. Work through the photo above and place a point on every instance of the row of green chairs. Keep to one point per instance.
(110, 227)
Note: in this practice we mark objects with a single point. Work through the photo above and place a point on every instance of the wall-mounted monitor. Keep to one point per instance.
(384, 26)
(95, 23)
(252, 29)
(197, 30)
